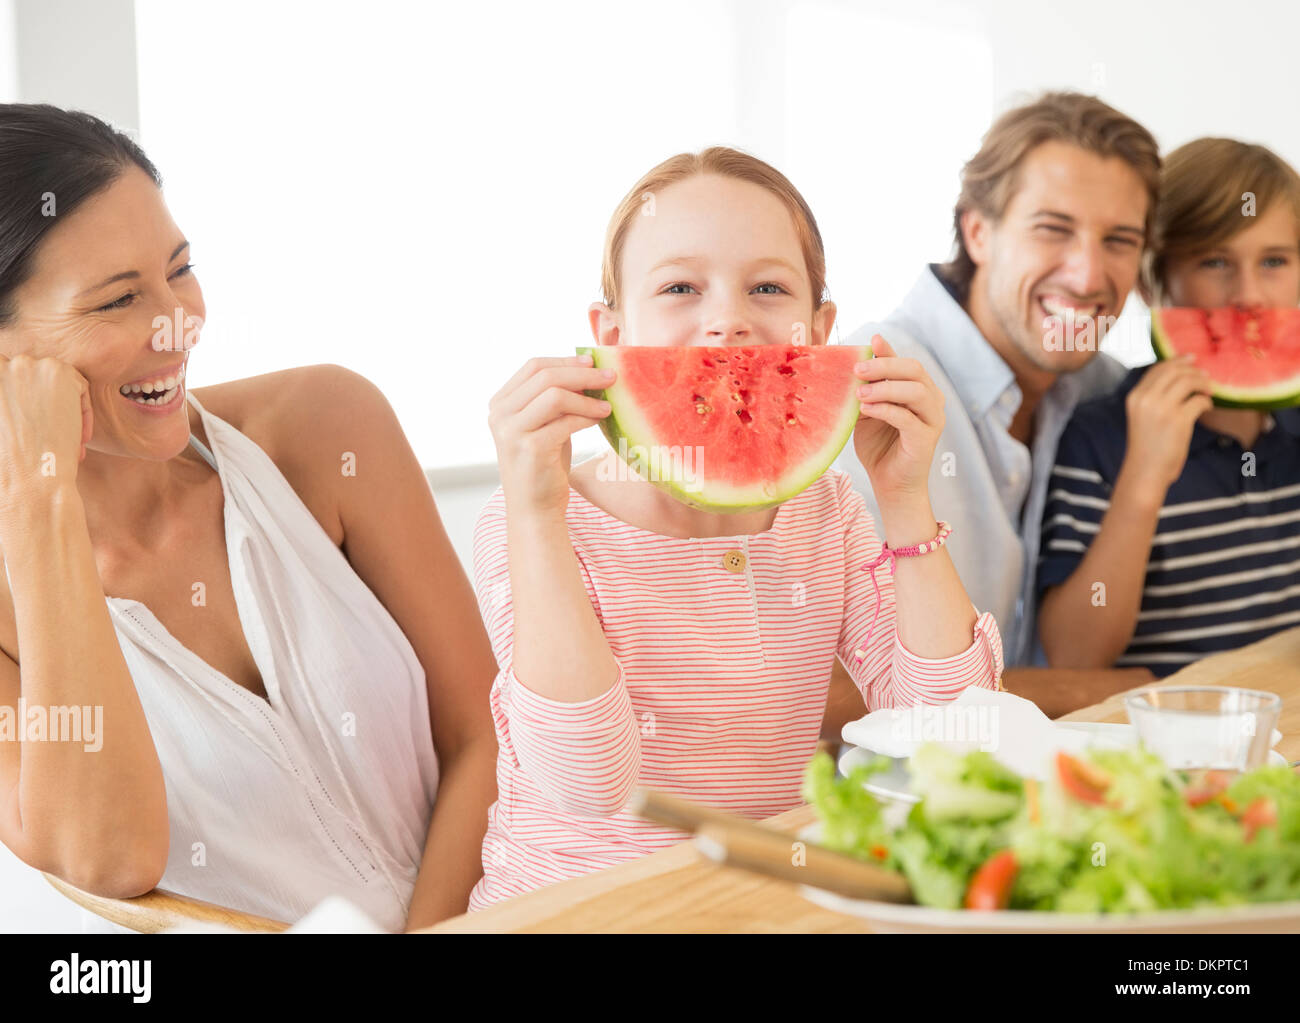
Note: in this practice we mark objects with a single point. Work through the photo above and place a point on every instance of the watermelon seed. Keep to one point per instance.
(701, 408)
(744, 415)
(791, 421)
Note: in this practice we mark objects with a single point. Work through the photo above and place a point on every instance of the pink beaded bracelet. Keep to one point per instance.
(889, 554)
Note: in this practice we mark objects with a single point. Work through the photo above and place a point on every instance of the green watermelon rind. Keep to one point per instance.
(1285, 394)
(621, 424)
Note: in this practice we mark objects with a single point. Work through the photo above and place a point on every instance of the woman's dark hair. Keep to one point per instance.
(51, 161)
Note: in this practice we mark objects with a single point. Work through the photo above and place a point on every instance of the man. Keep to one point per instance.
(1050, 227)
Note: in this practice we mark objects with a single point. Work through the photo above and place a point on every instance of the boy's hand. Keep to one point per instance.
(1162, 409)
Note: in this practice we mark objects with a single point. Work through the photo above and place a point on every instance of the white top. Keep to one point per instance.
(986, 483)
(328, 787)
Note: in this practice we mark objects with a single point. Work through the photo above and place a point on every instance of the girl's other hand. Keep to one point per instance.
(901, 417)
(533, 418)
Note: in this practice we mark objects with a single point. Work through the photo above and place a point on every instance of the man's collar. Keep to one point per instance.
(976, 370)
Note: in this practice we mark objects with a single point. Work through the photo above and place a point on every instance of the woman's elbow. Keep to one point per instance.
(124, 875)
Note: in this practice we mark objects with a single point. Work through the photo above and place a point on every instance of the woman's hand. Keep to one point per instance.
(899, 426)
(45, 424)
(533, 418)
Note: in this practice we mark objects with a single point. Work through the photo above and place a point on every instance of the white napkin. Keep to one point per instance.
(1010, 727)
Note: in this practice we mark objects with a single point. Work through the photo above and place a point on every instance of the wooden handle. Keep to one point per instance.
(682, 814)
(738, 842)
(790, 859)
(160, 909)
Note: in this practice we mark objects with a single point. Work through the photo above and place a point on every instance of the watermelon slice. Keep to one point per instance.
(1251, 355)
(730, 429)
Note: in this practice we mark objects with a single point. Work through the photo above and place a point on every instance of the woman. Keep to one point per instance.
(251, 581)
(1173, 523)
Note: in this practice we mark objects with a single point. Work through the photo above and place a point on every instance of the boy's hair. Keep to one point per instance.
(1206, 188)
(990, 178)
(731, 163)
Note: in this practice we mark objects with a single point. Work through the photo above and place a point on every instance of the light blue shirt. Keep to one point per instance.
(983, 481)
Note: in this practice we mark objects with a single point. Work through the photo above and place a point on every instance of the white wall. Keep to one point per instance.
(8, 53)
(81, 54)
(1184, 68)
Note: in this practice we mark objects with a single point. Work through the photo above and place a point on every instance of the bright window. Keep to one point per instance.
(420, 192)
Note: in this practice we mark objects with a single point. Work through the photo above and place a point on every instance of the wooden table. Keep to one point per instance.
(678, 891)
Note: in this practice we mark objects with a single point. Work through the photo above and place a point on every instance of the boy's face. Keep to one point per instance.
(1259, 266)
(713, 261)
(1067, 246)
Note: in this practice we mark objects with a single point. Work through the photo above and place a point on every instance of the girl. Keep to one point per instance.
(643, 641)
(1187, 513)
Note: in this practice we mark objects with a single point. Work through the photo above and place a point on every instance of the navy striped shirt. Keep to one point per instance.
(1224, 568)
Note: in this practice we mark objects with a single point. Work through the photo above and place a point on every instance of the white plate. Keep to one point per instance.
(893, 918)
(895, 784)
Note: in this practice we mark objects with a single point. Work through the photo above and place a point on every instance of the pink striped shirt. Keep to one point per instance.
(725, 647)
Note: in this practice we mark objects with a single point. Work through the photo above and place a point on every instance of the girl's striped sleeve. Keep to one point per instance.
(887, 673)
(584, 757)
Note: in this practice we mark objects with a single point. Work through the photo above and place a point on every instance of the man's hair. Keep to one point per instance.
(990, 178)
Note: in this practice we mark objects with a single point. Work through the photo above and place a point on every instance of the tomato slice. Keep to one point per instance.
(1261, 813)
(1086, 782)
(990, 888)
(1207, 787)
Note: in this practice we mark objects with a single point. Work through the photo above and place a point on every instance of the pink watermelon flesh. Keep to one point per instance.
(1251, 355)
(764, 422)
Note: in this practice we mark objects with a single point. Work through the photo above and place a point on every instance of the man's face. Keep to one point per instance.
(1055, 270)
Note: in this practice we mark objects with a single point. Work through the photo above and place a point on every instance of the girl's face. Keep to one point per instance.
(1259, 266)
(713, 261)
(103, 283)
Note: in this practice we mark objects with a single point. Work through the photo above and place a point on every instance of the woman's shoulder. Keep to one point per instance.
(309, 420)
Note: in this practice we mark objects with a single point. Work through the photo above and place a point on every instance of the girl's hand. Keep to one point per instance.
(45, 425)
(532, 419)
(899, 426)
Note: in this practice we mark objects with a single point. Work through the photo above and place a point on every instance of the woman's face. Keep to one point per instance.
(1259, 266)
(103, 284)
(716, 261)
